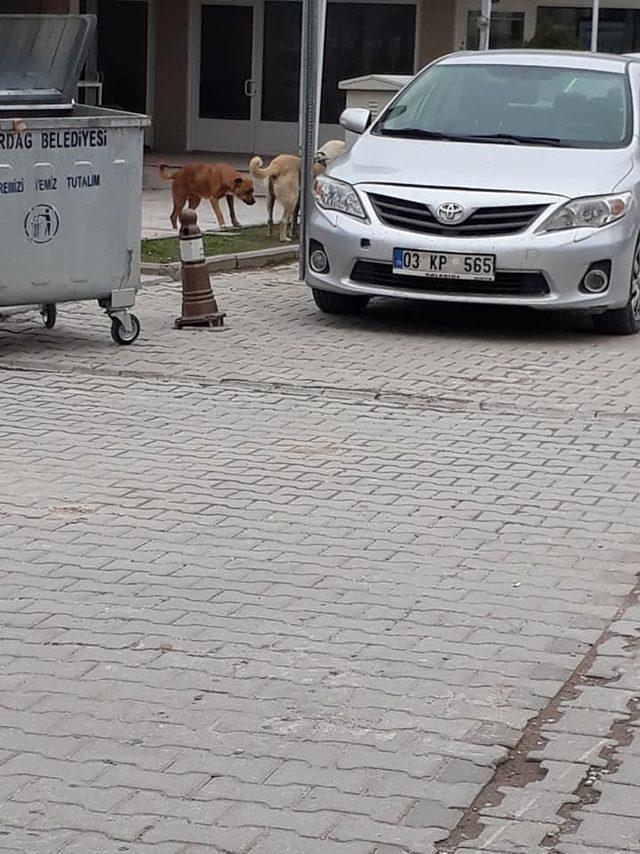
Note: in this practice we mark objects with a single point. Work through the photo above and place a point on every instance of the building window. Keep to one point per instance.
(361, 38)
(507, 30)
(364, 38)
(618, 29)
(122, 54)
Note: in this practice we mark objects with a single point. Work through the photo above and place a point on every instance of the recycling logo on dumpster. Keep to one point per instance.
(41, 223)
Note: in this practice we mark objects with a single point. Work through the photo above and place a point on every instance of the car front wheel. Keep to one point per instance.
(333, 303)
(624, 321)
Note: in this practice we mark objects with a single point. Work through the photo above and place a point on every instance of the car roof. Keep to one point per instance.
(617, 63)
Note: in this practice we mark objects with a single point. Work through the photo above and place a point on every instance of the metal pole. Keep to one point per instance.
(311, 58)
(303, 75)
(484, 24)
(322, 22)
(595, 25)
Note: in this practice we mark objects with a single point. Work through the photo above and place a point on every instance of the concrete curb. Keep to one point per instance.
(226, 263)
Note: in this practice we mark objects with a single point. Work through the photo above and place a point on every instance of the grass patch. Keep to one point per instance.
(166, 249)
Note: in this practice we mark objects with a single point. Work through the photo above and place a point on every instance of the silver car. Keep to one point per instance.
(502, 177)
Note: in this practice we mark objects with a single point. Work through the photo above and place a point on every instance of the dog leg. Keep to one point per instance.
(179, 201)
(194, 201)
(294, 221)
(285, 222)
(271, 200)
(232, 212)
(215, 204)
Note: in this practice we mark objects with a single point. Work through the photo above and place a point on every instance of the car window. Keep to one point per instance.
(571, 107)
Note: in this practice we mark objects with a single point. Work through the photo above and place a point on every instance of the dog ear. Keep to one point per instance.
(238, 180)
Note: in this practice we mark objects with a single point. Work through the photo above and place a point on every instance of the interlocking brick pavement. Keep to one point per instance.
(303, 584)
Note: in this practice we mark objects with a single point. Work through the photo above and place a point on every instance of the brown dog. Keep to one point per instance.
(211, 181)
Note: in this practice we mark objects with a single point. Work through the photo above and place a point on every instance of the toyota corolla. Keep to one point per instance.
(505, 177)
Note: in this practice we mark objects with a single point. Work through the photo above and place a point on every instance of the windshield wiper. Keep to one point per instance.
(508, 138)
(514, 139)
(415, 133)
(420, 133)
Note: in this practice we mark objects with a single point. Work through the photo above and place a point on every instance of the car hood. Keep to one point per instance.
(565, 172)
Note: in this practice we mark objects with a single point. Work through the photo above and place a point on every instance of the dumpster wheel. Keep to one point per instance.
(49, 314)
(120, 334)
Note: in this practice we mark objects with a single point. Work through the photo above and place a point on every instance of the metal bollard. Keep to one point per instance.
(199, 307)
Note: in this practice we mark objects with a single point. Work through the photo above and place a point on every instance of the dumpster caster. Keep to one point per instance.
(49, 314)
(122, 335)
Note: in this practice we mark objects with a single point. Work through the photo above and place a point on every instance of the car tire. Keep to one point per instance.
(624, 321)
(333, 303)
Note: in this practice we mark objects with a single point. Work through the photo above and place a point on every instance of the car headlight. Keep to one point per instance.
(588, 212)
(335, 195)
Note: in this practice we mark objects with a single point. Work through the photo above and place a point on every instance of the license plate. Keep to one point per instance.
(444, 265)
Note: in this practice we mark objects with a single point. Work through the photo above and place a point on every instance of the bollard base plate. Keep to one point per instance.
(210, 320)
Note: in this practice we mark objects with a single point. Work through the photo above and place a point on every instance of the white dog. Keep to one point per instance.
(330, 150)
(282, 177)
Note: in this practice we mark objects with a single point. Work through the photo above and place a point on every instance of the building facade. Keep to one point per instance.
(222, 75)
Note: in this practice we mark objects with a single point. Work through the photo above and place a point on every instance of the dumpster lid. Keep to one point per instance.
(42, 58)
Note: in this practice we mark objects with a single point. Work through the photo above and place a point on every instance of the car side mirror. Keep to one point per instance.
(355, 119)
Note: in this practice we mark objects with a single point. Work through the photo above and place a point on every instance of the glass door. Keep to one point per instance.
(280, 66)
(224, 101)
(246, 72)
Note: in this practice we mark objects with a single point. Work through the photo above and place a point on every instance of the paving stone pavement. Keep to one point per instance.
(318, 585)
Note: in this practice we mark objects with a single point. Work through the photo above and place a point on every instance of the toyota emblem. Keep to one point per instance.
(450, 213)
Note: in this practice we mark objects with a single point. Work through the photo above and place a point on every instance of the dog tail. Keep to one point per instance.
(258, 170)
(163, 169)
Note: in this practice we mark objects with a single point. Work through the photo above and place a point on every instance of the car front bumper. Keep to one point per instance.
(562, 258)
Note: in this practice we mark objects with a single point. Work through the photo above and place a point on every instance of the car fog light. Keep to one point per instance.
(318, 260)
(596, 281)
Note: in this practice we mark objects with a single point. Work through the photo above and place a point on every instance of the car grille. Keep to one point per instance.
(505, 284)
(483, 222)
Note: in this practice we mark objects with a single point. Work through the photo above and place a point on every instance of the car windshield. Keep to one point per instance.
(513, 105)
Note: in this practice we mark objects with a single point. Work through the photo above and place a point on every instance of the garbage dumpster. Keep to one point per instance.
(70, 178)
